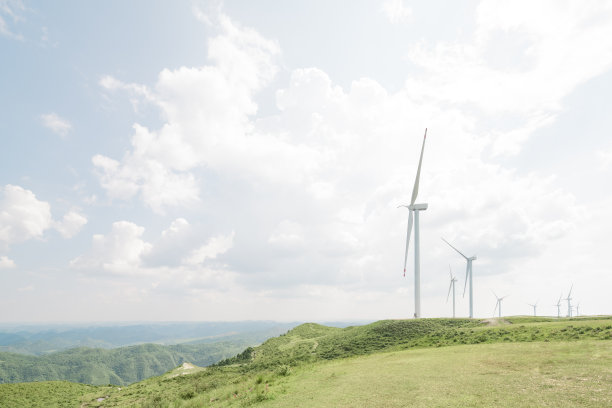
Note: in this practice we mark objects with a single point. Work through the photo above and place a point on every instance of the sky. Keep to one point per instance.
(238, 160)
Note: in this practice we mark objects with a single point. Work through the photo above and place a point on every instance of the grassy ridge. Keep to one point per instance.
(532, 363)
(312, 342)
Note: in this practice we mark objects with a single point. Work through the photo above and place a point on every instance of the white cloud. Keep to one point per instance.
(70, 224)
(214, 247)
(6, 263)
(207, 112)
(22, 215)
(516, 64)
(118, 252)
(11, 10)
(396, 11)
(178, 253)
(605, 157)
(58, 125)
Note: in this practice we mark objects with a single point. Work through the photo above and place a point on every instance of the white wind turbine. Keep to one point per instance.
(578, 309)
(414, 209)
(468, 274)
(498, 304)
(452, 286)
(559, 306)
(569, 300)
(535, 305)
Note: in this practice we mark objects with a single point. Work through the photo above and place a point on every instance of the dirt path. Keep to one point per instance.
(495, 321)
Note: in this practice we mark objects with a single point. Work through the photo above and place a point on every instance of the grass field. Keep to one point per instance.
(517, 362)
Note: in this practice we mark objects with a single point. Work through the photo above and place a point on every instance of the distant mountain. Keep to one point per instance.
(44, 339)
(119, 366)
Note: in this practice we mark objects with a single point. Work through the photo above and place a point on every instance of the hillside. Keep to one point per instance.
(119, 366)
(560, 363)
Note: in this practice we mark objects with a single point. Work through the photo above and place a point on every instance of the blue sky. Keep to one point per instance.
(238, 160)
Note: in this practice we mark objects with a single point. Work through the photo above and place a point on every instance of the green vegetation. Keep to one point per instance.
(556, 363)
(119, 366)
(46, 394)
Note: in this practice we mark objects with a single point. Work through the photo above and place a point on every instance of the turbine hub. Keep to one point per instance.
(417, 207)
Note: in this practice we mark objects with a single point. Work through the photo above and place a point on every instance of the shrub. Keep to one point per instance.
(283, 370)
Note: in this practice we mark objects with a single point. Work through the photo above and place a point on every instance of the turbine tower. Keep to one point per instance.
(413, 211)
(534, 307)
(559, 306)
(578, 309)
(452, 286)
(498, 304)
(468, 273)
(569, 300)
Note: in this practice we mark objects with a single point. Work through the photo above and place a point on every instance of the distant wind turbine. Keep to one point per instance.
(578, 309)
(535, 305)
(569, 300)
(414, 209)
(559, 306)
(468, 274)
(498, 304)
(452, 286)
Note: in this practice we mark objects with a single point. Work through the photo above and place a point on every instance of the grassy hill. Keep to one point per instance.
(518, 362)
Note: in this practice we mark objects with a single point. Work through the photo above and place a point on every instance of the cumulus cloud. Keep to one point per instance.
(396, 11)
(23, 217)
(70, 224)
(179, 252)
(6, 263)
(515, 64)
(119, 251)
(207, 110)
(56, 124)
(214, 247)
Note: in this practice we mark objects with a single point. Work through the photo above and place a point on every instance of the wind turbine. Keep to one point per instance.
(468, 273)
(569, 300)
(452, 286)
(498, 304)
(414, 209)
(534, 307)
(559, 306)
(578, 309)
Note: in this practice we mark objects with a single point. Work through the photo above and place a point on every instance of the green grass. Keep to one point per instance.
(47, 394)
(563, 374)
(426, 362)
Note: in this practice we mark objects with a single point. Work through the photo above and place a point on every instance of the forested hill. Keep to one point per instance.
(119, 366)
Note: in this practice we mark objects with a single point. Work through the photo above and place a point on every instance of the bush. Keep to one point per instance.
(283, 370)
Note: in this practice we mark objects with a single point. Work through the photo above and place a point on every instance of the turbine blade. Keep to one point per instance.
(415, 189)
(449, 289)
(467, 270)
(570, 292)
(454, 248)
(494, 310)
(408, 232)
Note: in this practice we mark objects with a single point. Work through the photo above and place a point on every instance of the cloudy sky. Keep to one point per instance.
(244, 160)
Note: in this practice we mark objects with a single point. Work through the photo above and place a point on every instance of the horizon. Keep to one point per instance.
(224, 161)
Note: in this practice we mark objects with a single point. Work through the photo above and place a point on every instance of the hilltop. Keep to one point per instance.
(383, 363)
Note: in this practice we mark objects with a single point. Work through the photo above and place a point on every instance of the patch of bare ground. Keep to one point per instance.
(495, 321)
